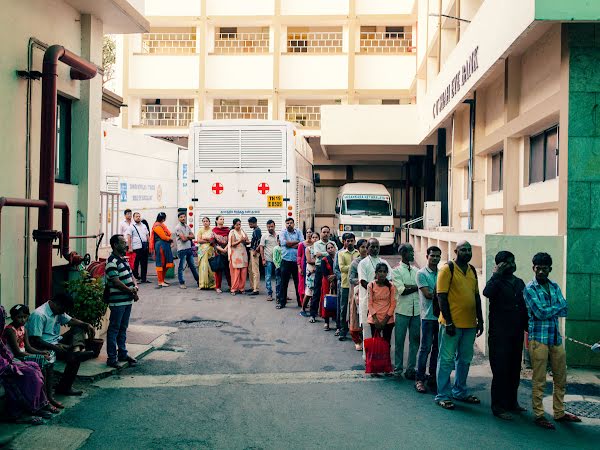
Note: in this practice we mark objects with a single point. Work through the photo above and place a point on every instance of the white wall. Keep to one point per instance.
(173, 8)
(239, 72)
(314, 7)
(314, 72)
(384, 71)
(240, 7)
(387, 125)
(164, 72)
(153, 186)
(384, 6)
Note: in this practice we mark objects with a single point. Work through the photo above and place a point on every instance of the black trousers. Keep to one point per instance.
(288, 269)
(505, 361)
(141, 259)
(316, 298)
(386, 333)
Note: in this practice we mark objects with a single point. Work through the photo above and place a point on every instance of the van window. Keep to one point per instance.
(366, 206)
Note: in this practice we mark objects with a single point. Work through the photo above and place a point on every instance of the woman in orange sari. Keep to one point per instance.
(238, 257)
(160, 245)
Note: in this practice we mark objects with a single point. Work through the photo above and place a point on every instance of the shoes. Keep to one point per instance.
(114, 365)
(420, 387)
(248, 291)
(253, 293)
(132, 361)
(68, 392)
(182, 286)
(269, 298)
(503, 415)
(398, 374)
(568, 418)
(410, 375)
(146, 281)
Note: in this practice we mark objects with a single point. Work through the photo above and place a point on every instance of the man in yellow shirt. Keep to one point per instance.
(461, 320)
(345, 258)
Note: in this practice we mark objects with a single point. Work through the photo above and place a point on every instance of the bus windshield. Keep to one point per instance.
(367, 206)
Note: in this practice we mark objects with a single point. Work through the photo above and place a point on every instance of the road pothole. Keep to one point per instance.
(200, 323)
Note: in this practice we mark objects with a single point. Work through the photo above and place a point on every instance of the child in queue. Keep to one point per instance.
(16, 339)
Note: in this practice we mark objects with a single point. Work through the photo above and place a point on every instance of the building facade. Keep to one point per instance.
(30, 27)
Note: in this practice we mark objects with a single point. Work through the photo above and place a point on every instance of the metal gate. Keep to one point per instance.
(109, 216)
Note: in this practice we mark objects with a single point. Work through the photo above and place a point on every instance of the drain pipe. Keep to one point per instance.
(472, 103)
(45, 235)
(33, 43)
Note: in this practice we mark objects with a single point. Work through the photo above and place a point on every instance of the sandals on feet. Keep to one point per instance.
(446, 404)
(568, 418)
(219, 291)
(337, 332)
(544, 423)
(358, 347)
(326, 327)
(420, 387)
(312, 320)
(471, 399)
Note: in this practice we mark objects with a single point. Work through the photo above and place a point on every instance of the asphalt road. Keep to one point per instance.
(241, 375)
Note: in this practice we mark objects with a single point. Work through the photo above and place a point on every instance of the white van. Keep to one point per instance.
(365, 209)
(245, 168)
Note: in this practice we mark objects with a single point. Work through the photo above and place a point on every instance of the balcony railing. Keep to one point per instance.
(226, 43)
(240, 112)
(169, 43)
(386, 42)
(314, 42)
(306, 115)
(167, 115)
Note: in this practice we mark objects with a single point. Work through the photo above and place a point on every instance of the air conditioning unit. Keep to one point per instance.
(432, 215)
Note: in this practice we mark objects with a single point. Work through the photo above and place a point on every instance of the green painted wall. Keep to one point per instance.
(583, 201)
(567, 10)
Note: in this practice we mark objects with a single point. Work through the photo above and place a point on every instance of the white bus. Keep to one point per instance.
(245, 168)
(365, 209)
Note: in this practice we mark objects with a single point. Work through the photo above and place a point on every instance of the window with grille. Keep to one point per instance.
(543, 156)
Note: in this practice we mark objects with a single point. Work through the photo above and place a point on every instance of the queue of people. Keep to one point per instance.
(439, 308)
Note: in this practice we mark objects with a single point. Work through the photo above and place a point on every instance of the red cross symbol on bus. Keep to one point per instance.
(217, 188)
(263, 188)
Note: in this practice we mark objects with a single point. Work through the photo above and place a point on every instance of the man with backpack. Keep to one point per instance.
(461, 321)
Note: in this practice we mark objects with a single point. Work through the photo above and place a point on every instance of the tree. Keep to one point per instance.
(109, 57)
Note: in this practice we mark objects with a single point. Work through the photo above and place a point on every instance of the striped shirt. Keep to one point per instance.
(544, 310)
(118, 267)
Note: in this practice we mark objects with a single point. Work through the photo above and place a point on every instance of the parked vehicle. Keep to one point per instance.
(245, 168)
(366, 210)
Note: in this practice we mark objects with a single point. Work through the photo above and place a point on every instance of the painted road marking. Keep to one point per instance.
(154, 381)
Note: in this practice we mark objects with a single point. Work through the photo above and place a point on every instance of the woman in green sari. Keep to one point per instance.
(205, 251)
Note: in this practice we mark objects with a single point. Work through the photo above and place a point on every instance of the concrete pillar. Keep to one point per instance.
(86, 135)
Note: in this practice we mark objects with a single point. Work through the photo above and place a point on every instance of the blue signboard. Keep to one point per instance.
(184, 171)
(123, 192)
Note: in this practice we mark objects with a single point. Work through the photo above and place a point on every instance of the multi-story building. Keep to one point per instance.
(487, 106)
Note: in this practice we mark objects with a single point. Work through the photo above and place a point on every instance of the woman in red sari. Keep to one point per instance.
(221, 248)
(328, 284)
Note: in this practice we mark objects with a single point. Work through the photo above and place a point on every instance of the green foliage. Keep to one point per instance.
(88, 298)
(109, 58)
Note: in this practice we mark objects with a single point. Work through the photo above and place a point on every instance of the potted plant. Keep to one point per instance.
(88, 303)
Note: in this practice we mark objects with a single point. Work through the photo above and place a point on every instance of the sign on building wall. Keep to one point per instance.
(458, 81)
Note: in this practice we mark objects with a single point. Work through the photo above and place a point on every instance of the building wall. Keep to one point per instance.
(583, 206)
(52, 23)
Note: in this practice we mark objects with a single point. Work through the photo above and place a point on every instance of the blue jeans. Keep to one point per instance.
(456, 353)
(186, 256)
(429, 344)
(116, 335)
(269, 274)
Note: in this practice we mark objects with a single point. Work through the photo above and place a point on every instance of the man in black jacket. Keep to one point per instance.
(507, 323)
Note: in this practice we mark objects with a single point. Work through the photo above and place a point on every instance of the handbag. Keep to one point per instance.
(377, 352)
(216, 263)
(145, 245)
(330, 302)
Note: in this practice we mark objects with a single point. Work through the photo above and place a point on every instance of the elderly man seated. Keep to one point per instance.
(43, 328)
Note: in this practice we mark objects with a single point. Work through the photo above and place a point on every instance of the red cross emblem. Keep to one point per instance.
(217, 188)
(263, 188)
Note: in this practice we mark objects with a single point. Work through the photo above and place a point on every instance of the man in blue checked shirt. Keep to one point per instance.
(545, 304)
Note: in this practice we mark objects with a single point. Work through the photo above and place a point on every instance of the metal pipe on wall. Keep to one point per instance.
(45, 235)
(33, 43)
(472, 104)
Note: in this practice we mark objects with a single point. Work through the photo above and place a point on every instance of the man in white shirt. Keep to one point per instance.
(366, 274)
(408, 312)
(125, 224)
(137, 236)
